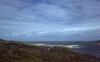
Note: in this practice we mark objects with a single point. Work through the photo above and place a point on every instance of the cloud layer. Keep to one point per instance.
(50, 19)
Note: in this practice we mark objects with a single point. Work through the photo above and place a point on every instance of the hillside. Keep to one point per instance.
(16, 52)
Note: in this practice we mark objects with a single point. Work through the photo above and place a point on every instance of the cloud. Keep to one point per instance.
(47, 19)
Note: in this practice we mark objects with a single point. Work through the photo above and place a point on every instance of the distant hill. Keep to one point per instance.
(96, 42)
(61, 42)
(55, 42)
(2, 40)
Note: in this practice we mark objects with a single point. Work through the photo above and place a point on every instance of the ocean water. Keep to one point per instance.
(91, 49)
(88, 49)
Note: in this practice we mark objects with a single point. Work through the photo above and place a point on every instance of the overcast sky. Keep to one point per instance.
(50, 20)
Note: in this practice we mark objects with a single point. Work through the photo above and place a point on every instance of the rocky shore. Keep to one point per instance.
(18, 52)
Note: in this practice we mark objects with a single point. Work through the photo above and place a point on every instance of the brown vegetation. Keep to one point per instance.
(16, 52)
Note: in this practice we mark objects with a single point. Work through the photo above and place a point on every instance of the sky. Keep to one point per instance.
(55, 20)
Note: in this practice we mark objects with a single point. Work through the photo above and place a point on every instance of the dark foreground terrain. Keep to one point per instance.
(18, 52)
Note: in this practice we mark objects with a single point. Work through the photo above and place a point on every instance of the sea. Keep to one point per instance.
(88, 49)
(92, 49)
